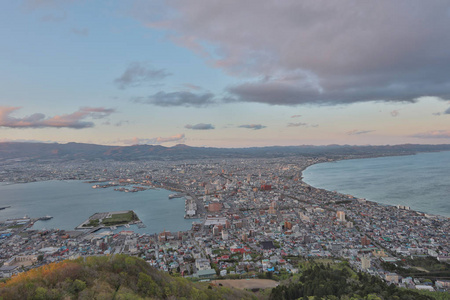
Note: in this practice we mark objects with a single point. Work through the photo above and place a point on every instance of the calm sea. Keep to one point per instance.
(420, 181)
(72, 202)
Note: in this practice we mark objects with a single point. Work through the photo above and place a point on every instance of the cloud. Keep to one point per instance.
(138, 74)
(152, 141)
(6, 140)
(121, 123)
(296, 116)
(74, 120)
(434, 134)
(446, 112)
(321, 52)
(80, 31)
(300, 124)
(358, 132)
(253, 126)
(200, 126)
(186, 99)
(395, 113)
(297, 124)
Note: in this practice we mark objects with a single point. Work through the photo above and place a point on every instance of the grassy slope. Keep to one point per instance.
(108, 277)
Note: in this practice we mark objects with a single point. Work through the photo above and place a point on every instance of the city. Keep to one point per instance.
(250, 217)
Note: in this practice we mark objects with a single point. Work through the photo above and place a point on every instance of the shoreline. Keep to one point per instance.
(176, 223)
(365, 199)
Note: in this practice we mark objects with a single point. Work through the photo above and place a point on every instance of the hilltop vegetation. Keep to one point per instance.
(123, 277)
(109, 277)
(338, 281)
(423, 267)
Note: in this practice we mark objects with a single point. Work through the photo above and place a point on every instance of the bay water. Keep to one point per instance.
(72, 202)
(420, 181)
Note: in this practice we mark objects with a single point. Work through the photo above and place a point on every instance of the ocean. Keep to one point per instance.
(420, 181)
(72, 202)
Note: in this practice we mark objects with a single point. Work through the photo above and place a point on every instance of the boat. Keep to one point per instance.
(47, 217)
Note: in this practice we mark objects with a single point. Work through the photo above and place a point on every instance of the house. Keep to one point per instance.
(8, 271)
(209, 273)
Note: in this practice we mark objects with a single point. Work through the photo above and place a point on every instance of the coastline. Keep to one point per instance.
(366, 198)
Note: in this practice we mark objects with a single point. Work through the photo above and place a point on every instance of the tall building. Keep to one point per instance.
(224, 235)
(340, 215)
(287, 225)
(365, 241)
(272, 209)
(365, 262)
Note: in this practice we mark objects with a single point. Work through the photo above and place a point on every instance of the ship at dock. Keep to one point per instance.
(173, 196)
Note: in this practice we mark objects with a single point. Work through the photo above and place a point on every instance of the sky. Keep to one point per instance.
(225, 73)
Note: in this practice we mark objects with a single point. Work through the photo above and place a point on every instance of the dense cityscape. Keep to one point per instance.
(251, 217)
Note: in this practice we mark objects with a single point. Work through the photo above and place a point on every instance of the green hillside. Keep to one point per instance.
(340, 282)
(125, 277)
(109, 277)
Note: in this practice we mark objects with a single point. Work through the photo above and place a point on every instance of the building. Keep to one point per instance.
(365, 241)
(266, 187)
(340, 215)
(209, 273)
(21, 260)
(202, 264)
(224, 235)
(365, 262)
(214, 207)
(272, 209)
(8, 271)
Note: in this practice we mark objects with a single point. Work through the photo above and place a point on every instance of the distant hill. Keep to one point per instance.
(92, 152)
(109, 277)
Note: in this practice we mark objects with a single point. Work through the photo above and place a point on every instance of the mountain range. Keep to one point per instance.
(91, 152)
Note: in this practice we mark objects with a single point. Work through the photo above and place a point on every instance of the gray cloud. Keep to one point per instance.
(186, 99)
(358, 132)
(300, 124)
(322, 52)
(435, 134)
(121, 123)
(153, 141)
(80, 31)
(253, 126)
(446, 112)
(74, 120)
(138, 74)
(297, 124)
(200, 126)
